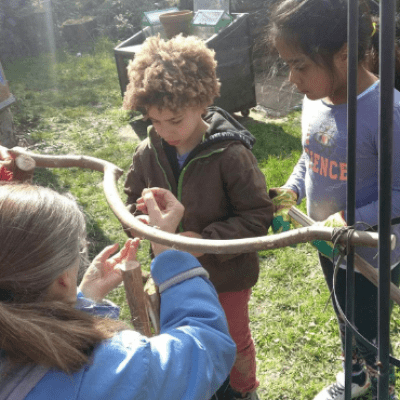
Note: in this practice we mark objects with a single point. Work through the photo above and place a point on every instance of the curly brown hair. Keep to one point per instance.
(173, 74)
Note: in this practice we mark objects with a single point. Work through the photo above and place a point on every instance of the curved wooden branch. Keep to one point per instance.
(111, 175)
(47, 161)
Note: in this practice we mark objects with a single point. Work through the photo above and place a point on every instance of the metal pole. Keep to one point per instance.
(352, 43)
(387, 65)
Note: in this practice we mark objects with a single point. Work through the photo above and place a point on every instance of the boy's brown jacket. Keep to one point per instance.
(221, 187)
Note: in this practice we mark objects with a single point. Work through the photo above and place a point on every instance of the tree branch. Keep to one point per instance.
(111, 175)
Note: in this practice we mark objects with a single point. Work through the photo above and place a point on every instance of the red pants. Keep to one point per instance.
(243, 374)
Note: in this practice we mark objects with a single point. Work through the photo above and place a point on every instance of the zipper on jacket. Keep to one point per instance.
(180, 181)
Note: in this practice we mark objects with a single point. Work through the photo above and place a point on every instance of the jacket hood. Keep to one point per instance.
(223, 127)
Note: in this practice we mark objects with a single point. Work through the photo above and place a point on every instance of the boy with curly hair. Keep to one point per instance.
(203, 156)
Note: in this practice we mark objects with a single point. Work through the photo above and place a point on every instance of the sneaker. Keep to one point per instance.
(336, 390)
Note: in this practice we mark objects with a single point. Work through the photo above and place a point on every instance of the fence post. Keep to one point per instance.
(352, 43)
(386, 72)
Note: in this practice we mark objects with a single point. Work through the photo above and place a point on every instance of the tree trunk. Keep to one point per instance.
(79, 33)
(7, 134)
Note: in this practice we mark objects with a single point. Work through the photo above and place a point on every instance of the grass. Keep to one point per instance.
(68, 104)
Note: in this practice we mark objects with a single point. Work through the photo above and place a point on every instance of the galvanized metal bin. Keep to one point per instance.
(232, 46)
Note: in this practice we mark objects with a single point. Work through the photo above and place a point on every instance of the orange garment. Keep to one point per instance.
(243, 374)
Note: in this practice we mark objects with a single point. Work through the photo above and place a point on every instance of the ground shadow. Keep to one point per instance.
(271, 139)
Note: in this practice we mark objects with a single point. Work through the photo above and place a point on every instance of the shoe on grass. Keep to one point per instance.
(336, 390)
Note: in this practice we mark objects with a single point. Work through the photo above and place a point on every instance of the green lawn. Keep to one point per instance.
(73, 106)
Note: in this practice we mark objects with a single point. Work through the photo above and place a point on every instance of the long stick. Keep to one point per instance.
(365, 268)
(112, 174)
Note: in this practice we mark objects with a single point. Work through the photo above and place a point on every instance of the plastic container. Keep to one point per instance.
(152, 19)
(215, 19)
(211, 5)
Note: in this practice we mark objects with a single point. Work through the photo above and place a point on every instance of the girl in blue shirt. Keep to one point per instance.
(311, 38)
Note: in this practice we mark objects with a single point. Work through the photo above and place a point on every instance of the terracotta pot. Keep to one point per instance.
(176, 22)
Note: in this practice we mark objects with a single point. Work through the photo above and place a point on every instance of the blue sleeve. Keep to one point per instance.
(296, 180)
(190, 359)
(105, 309)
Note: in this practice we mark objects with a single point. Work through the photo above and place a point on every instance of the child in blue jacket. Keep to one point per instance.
(49, 349)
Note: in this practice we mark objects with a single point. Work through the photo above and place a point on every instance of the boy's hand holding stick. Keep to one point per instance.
(362, 266)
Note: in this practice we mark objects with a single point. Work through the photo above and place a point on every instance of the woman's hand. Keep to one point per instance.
(163, 209)
(104, 273)
(193, 235)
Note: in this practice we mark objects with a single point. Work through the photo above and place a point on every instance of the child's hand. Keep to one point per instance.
(104, 273)
(282, 198)
(193, 235)
(333, 221)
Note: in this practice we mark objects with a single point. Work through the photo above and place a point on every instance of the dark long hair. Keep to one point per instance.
(318, 28)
